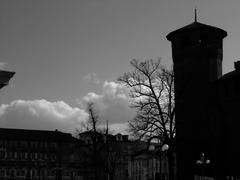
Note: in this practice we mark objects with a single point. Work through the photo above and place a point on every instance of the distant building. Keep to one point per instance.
(108, 154)
(126, 159)
(149, 165)
(207, 103)
(35, 154)
(54, 155)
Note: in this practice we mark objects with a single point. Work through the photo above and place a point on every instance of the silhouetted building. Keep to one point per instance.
(105, 156)
(207, 103)
(5, 77)
(35, 154)
(54, 155)
(149, 165)
(125, 159)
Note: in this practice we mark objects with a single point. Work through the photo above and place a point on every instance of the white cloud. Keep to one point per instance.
(112, 105)
(41, 114)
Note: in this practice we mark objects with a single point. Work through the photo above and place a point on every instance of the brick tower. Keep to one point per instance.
(197, 56)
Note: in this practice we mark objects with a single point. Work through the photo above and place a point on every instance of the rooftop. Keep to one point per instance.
(35, 135)
(196, 26)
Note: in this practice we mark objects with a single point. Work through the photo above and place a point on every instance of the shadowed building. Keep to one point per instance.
(207, 103)
(5, 77)
(38, 155)
(125, 159)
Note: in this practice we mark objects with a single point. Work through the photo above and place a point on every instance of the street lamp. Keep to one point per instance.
(202, 162)
(163, 148)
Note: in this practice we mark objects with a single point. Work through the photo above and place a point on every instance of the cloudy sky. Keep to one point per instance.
(65, 53)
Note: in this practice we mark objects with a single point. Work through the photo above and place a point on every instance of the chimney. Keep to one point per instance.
(237, 65)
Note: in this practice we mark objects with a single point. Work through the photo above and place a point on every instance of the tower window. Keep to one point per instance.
(185, 41)
(203, 40)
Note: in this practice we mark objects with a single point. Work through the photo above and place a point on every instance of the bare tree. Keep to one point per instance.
(113, 159)
(102, 152)
(151, 88)
(93, 117)
(95, 144)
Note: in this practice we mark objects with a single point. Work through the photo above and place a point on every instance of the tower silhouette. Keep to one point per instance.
(197, 52)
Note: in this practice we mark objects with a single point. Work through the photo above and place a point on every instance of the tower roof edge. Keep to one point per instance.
(196, 26)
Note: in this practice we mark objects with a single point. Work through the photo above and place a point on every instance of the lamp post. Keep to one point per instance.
(202, 162)
(163, 148)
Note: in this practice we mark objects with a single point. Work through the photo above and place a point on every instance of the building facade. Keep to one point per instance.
(54, 155)
(34, 154)
(148, 165)
(122, 159)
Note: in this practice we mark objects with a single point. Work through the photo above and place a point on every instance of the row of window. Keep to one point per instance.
(26, 156)
(5, 172)
(187, 41)
(26, 144)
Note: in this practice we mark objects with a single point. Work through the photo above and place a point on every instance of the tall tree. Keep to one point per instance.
(102, 151)
(151, 88)
(92, 148)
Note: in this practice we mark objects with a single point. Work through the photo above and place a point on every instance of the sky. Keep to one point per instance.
(66, 53)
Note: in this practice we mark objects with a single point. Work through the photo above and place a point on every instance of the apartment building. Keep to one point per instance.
(35, 154)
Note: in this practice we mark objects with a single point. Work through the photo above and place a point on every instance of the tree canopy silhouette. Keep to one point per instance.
(151, 88)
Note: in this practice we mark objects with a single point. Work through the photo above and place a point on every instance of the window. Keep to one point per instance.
(34, 172)
(12, 173)
(203, 40)
(18, 172)
(185, 41)
(2, 154)
(8, 172)
(2, 172)
(25, 155)
(10, 155)
(23, 144)
(15, 155)
(35, 155)
(22, 173)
